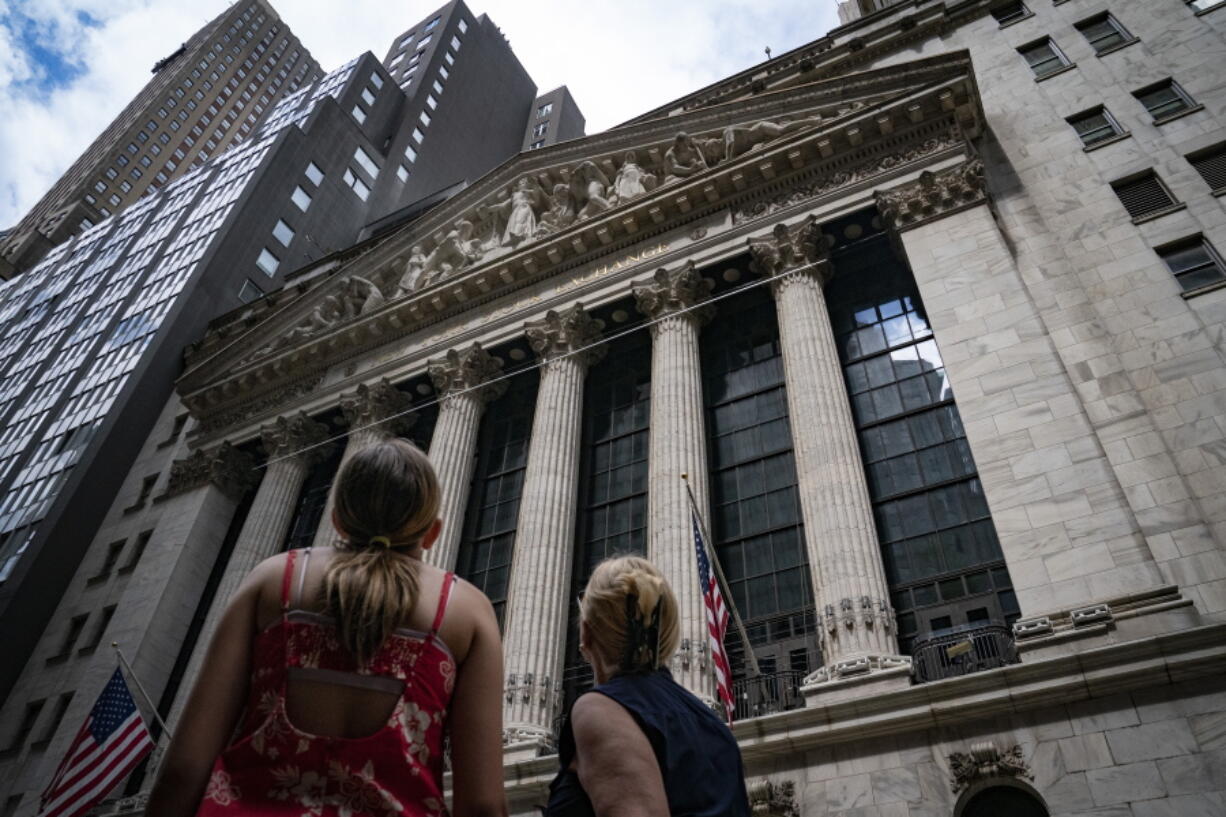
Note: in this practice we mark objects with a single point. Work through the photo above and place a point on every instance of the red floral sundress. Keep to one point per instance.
(275, 769)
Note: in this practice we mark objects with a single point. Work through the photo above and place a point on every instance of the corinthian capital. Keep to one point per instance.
(378, 404)
(933, 195)
(801, 248)
(671, 291)
(295, 435)
(561, 333)
(468, 369)
(232, 471)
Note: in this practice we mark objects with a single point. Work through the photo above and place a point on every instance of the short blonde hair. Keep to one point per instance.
(611, 620)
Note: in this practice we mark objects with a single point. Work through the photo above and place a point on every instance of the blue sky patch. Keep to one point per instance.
(54, 66)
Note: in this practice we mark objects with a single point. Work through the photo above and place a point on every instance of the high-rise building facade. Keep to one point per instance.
(929, 313)
(206, 96)
(555, 118)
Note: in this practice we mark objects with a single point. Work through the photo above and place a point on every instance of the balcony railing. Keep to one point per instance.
(767, 694)
(962, 650)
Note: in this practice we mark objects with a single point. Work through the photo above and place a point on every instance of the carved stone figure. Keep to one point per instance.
(413, 269)
(322, 318)
(360, 296)
(683, 159)
(456, 250)
(521, 222)
(740, 139)
(589, 186)
(985, 761)
(631, 180)
(561, 212)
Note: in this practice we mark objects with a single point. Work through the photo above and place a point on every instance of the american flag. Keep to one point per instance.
(110, 744)
(717, 620)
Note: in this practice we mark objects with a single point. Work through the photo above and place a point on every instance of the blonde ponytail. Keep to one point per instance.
(631, 614)
(387, 499)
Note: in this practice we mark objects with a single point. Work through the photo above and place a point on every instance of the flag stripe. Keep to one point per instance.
(98, 757)
(97, 782)
(717, 620)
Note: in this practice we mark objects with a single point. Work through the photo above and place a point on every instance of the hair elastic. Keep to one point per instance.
(382, 541)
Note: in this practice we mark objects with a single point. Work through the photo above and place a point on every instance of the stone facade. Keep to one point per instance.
(1088, 386)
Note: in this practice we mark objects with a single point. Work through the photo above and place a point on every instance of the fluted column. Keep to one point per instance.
(461, 379)
(535, 633)
(288, 442)
(849, 583)
(677, 445)
(374, 412)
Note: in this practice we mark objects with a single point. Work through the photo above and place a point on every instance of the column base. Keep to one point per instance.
(855, 678)
(526, 743)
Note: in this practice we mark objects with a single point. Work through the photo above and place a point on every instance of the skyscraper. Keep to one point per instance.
(206, 95)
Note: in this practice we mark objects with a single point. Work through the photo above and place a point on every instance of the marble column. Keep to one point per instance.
(374, 412)
(535, 633)
(677, 445)
(461, 379)
(293, 446)
(849, 583)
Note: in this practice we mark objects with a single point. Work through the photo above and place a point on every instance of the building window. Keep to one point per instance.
(301, 198)
(1010, 12)
(76, 626)
(424, 118)
(376, 81)
(283, 233)
(314, 174)
(544, 110)
(249, 292)
(1211, 165)
(410, 153)
(493, 507)
(418, 136)
(1095, 126)
(540, 129)
(357, 185)
(1104, 32)
(267, 262)
(100, 186)
(57, 717)
(463, 26)
(443, 72)
(108, 613)
(359, 114)
(455, 43)
(363, 159)
(1143, 195)
(138, 549)
(1044, 58)
(402, 173)
(540, 143)
(1205, 5)
(28, 719)
(431, 25)
(449, 58)
(431, 102)
(437, 86)
(1165, 100)
(368, 97)
(113, 550)
(1194, 263)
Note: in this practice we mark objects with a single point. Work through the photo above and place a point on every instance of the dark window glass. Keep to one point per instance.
(1095, 126)
(1010, 12)
(1104, 32)
(937, 538)
(1144, 195)
(493, 505)
(1194, 263)
(1043, 57)
(312, 499)
(1164, 100)
(755, 511)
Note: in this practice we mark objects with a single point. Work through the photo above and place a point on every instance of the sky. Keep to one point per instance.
(67, 67)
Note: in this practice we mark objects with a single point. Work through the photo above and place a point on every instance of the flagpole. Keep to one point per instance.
(141, 689)
(713, 558)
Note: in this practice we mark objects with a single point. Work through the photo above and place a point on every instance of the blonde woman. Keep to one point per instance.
(639, 744)
(352, 663)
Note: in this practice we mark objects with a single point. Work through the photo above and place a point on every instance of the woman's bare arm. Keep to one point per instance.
(614, 759)
(212, 711)
(475, 721)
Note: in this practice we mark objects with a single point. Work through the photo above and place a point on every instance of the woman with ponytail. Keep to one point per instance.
(639, 744)
(353, 663)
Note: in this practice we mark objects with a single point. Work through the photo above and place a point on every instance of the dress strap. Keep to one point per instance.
(302, 573)
(287, 579)
(443, 597)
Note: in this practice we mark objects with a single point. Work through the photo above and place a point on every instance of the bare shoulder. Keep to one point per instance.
(593, 714)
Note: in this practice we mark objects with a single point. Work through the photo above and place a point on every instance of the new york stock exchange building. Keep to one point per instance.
(949, 399)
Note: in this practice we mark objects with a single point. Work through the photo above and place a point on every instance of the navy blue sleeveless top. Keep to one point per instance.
(699, 759)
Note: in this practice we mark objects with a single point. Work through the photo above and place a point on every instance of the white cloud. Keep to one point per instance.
(618, 58)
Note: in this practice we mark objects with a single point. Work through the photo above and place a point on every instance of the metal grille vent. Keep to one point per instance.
(1212, 167)
(1143, 196)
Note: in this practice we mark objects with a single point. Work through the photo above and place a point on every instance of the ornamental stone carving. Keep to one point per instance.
(678, 291)
(379, 404)
(985, 761)
(468, 370)
(231, 470)
(571, 330)
(933, 195)
(802, 249)
(773, 799)
(297, 435)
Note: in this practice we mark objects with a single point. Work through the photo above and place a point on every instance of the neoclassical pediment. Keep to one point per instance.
(552, 209)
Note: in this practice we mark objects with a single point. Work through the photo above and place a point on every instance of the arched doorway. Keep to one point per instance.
(1002, 800)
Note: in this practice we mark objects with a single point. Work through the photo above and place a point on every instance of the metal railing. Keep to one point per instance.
(962, 650)
(767, 694)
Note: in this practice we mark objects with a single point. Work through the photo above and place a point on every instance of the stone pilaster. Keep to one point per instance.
(374, 412)
(541, 567)
(677, 445)
(849, 583)
(461, 379)
(225, 467)
(293, 445)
